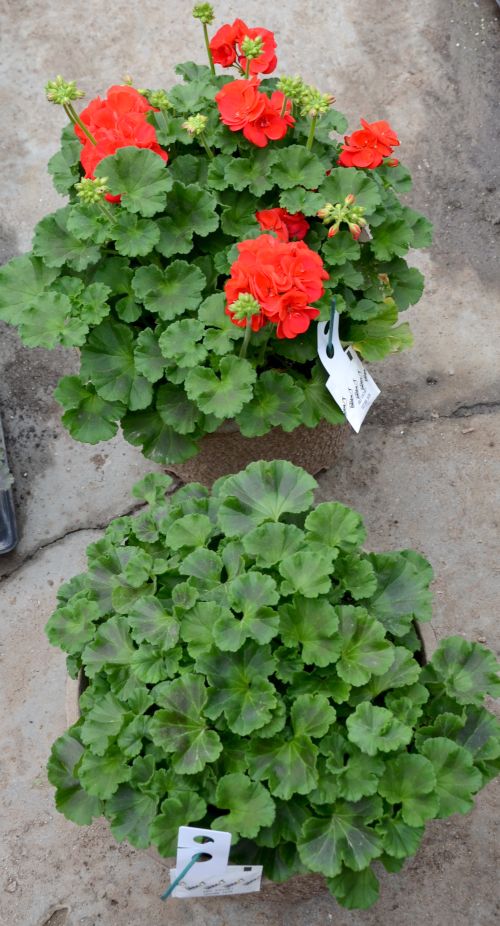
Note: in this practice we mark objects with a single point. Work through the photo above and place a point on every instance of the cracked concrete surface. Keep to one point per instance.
(424, 471)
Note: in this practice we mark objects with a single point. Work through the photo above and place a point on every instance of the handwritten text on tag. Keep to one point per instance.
(348, 381)
(214, 876)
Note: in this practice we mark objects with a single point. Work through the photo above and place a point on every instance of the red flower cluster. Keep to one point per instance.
(286, 225)
(226, 47)
(369, 146)
(119, 121)
(243, 107)
(284, 278)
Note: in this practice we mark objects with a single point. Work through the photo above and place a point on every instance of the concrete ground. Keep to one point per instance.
(424, 470)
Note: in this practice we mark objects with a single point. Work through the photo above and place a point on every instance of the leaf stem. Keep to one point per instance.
(312, 130)
(209, 53)
(246, 339)
(75, 119)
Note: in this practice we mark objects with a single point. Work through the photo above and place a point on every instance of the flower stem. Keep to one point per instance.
(246, 339)
(106, 212)
(75, 119)
(247, 69)
(205, 144)
(283, 106)
(209, 53)
(310, 140)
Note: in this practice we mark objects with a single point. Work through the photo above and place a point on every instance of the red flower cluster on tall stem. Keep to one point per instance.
(244, 108)
(286, 225)
(119, 121)
(284, 278)
(367, 147)
(225, 47)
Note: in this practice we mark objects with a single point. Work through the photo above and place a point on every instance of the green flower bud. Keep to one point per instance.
(315, 103)
(292, 87)
(158, 99)
(252, 48)
(245, 306)
(92, 191)
(204, 12)
(195, 125)
(62, 92)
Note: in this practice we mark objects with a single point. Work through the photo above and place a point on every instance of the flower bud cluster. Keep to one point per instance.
(334, 214)
(91, 191)
(245, 306)
(158, 99)
(195, 125)
(204, 12)
(62, 92)
(252, 48)
(308, 99)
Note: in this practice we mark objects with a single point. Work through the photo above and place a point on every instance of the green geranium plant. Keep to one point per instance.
(207, 228)
(250, 668)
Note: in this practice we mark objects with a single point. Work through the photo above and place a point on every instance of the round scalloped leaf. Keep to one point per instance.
(22, 281)
(345, 180)
(311, 626)
(192, 530)
(181, 808)
(57, 245)
(73, 625)
(355, 890)
(465, 671)
(375, 729)
(307, 573)
(107, 360)
(159, 441)
(148, 358)
(356, 576)
(102, 723)
(180, 342)
(176, 409)
(133, 236)
(398, 839)
(169, 292)
(222, 395)
(402, 593)
(255, 172)
(101, 775)
(276, 402)
(295, 166)
(249, 803)
(270, 543)
(263, 492)
(336, 526)
(342, 837)
(88, 417)
(410, 780)
(139, 176)
(457, 780)
(360, 776)
(250, 592)
(131, 814)
(230, 632)
(364, 650)
(71, 800)
(288, 765)
(312, 714)
(150, 621)
(111, 646)
(190, 210)
(239, 687)
(180, 728)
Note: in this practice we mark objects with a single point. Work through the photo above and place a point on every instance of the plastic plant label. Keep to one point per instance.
(213, 877)
(348, 381)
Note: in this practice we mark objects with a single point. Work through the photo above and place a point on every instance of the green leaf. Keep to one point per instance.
(276, 402)
(170, 292)
(263, 492)
(112, 646)
(180, 809)
(345, 180)
(230, 632)
(356, 576)
(223, 395)
(398, 839)
(250, 592)
(311, 626)
(176, 410)
(71, 800)
(307, 573)
(375, 729)
(189, 169)
(139, 176)
(480, 734)
(410, 780)
(89, 223)
(72, 626)
(364, 651)
(148, 358)
(204, 566)
(364, 309)
(457, 780)
(179, 343)
(150, 621)
(240, 688)
(465, 671)
(192, 96)
(64, 165)
(402, 593)
(193, 530)
(318, 403)
(220, 332)
(403, 671)
(270, 543)
(197, 626)
(398, 177)
(217, 177)
(249, 803)
(421, 228)
(57, 245)
(133, 236)
(107, 360)
(288, 765)
(255, 172)
(295, 166)
(131, 814)
(103, 723)
(151, 665)
(159, 441)
(190, 209)
(238, 214)
(407, 282)
(360, 776)
(180, 727)
(22, 281)
(312, 714)
(335, 526)
(300, 200)
(89, 417)
(152, 488)
(355, 890)
(131, 736)
(101, 775)
(48, 321)
(340, 249)
(391, 239)
(342, 837)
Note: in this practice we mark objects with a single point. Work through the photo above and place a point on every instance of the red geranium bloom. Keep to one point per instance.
(225, 47)
(285, 224)
(284, 278)
(368, 146)
(243, 107)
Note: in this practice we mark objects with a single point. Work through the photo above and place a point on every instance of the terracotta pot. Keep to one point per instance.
(227, 451)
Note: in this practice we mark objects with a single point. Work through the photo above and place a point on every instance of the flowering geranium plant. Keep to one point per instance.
(207, 228)
(250, 668)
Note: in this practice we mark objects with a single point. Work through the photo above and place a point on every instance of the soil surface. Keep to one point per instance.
(424, 470)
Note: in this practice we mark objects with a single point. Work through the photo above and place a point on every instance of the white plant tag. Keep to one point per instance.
(213, 877)
(348, 381)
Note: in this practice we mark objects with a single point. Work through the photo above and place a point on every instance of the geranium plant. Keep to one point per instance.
(206, 230)
(250, 668)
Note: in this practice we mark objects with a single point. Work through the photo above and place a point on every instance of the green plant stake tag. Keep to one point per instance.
(213, 876)
(348, 381)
